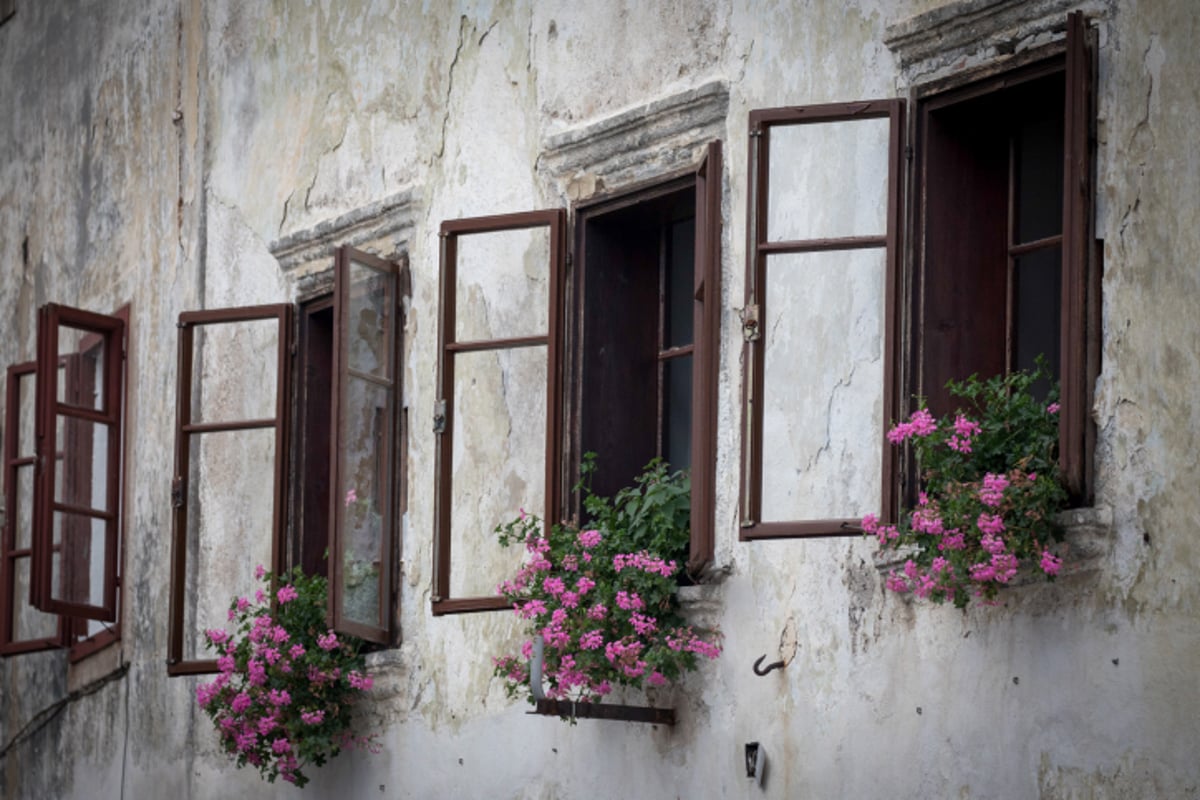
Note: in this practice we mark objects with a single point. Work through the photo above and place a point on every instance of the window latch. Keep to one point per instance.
(749, 316)
(439, 417)
(177, 493)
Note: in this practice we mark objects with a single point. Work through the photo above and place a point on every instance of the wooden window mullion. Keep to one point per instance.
(1075, 457)
(186, 429)
(443, 601)
(11, 604)
(760, 250)
(109, 332)
(706, 344)
(383, 443)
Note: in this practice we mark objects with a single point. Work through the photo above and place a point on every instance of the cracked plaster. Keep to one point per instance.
(230, 143)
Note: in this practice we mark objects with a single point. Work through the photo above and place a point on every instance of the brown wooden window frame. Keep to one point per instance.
(186, 428)
(759, 250)
(1073, 58)
(47, 460)
(704, 179)
(108, 332)
(389, 464)
(442, 600)
(10, 554)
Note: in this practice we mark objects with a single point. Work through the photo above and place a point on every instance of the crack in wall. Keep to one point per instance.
(1143, 124)
(484, 35)
(842, 383)
(283, 219)
(462, 28)
(311, 184)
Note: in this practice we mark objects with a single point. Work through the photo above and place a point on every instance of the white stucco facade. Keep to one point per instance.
(179, 155)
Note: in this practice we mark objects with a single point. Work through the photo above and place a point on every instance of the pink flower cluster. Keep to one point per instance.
(645, 562)
(983, 510)
(964, 429)
(991, 561)
(599, 612)
(992, 493)
(920, 423)
(272, 693)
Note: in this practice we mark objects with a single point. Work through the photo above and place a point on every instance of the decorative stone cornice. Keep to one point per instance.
(975, 31)
(661, 136)
(387, 223)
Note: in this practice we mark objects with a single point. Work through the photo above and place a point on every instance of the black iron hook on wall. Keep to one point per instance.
(760, 670)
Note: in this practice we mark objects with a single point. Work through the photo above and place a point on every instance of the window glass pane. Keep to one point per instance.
(81, 371)
(677, 412)
(498, 463)
(234, 370)
(823, 385)
(29, 623)
(1038, 148)
(92, 627)
(229, 516)
(364, 476)
(828, 180)
(502, 284)
(370, 311)
(680, 283)
(1037, 292)
(26, 443)
(82, 478)
(22, 515)
(77, 560)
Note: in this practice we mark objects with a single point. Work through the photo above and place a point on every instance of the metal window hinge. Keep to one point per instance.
(750, 330)
(177, 493)
(908, 152)
(439, 416)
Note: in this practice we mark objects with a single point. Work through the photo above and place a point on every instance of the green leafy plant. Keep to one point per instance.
(603, 598)
(282, 699)
(991, 490)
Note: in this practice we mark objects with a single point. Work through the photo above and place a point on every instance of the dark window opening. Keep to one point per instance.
(993, 233)
(311, 490)
(637, 336)
(645, 345)
(1007, 268)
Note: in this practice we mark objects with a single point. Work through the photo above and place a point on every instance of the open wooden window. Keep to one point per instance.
(1004, 269)
(647, 300)
(60, 549)
(230, 454)
(77, 505)
(820, 317)
(500, 384)
(363, 459)
(23, 628)
(1004, 273)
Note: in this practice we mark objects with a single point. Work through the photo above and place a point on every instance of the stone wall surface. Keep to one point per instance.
(182, 154)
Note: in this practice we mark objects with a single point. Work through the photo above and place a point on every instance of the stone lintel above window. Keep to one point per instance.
(968, 34)
(647, 142)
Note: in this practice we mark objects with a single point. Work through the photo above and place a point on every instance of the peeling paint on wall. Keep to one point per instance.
(177, 155)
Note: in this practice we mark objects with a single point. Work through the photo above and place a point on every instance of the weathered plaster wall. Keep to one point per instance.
(160, 152)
